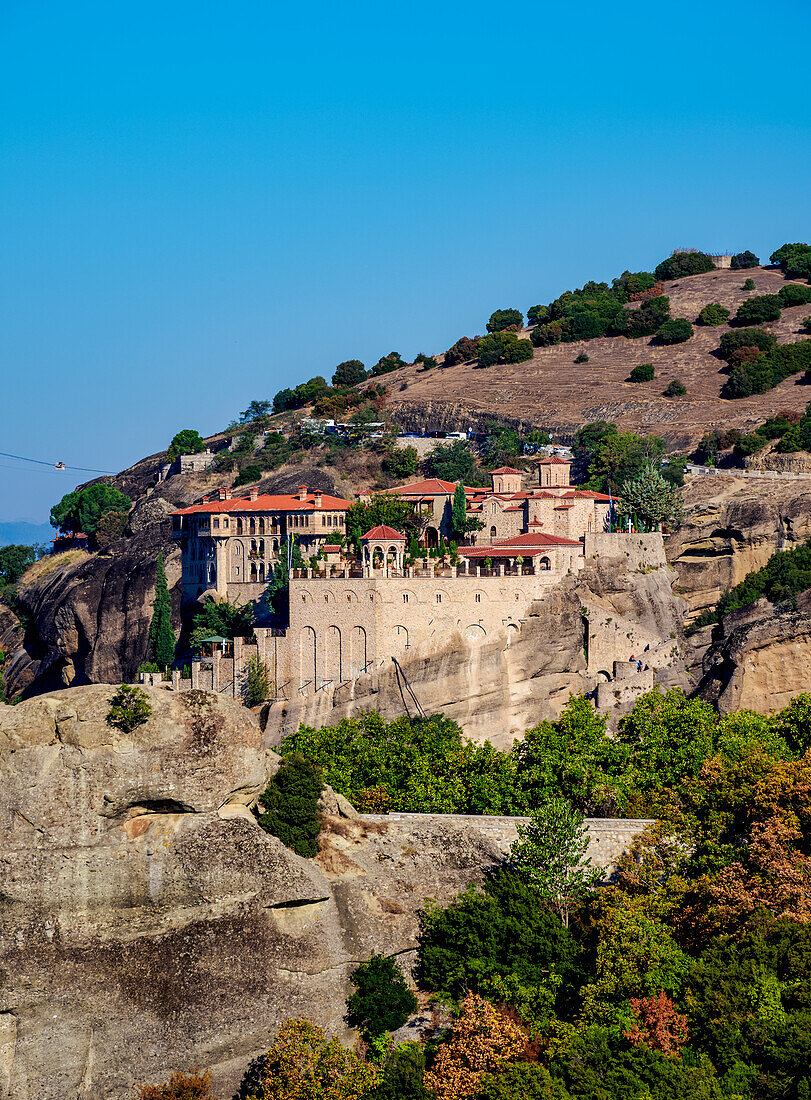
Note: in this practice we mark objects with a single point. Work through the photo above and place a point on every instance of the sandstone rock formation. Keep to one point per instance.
(88, 621)
(731, 527)
(147, 923)
(758, 658)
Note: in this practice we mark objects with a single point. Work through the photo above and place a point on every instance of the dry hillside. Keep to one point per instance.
(551, 390)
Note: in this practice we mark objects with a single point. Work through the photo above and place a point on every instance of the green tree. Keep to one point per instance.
(754, 311)
(461, 523)
(675, 331)
(618, 457)
(684, 263)
(674, 388)
(221, 619)
(276, 596)
(794, 294)
(257, 685)
(185, 442)
(713, 314)
(350, 373)
(652, 500)
(129, 708)
(505, 319)
(248, 475)
(289, 807)
(743, 260)
(161, 634)
(503, 347)
(453, 462)
(402, 1074)
(14, 560)
(401, 462)
(551, 851)
(384, 508)
(82, 509)
(643, 372)
(496, 939)
(382, 1001)
(522, 1081)
(257, 410)
(668, 737)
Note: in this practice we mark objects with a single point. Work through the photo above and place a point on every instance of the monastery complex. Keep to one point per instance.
(350, 616)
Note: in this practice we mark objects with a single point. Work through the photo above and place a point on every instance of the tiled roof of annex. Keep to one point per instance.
(279, 502)
(508, 548)
(432, 486)
(384, 534)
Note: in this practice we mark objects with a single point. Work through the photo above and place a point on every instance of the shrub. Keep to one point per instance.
(746, 338)
(428, 361)
(764, 307)
(180, 1086)
(644, 372)
(382, 1001)
(536, 315)
(465, 349)
(748, 444)
(349, 373)
(582, 358)
(387, 363)
(713, 314)
(111, 527)
(742, 260)
(401, 462)
(676, 331)
(545, 335)
(249, 474)
(289, 805)
(82, 509)
(503, 347)
(186, 442)
(794, 294)
(148, 666)
(684, 263)
(129, 708)
(794, 259)
(770, 369)
(504, 319)
(748, 284)
(675, 389)
(648, 318)
(631, 284)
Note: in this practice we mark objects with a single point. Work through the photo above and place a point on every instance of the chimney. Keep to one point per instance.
(253, 494)
(317, 498)
(206, 500)
(227, 494)
(222, 494)
(302, 492)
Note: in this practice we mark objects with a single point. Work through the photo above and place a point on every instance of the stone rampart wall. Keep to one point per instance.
(609, 837)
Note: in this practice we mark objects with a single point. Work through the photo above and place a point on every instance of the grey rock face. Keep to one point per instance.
(147, 924)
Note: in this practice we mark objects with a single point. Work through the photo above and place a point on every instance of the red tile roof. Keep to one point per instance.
(509, 548)
(384, 533)
(434, 486)
(506, 470)
(555, 460)
(282, 502)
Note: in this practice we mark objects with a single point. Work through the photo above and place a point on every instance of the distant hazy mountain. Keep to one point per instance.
(23, 533)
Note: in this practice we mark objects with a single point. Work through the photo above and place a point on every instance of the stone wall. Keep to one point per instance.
(609, 837)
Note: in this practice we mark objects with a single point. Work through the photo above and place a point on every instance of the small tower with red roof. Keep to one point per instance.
(382, 548)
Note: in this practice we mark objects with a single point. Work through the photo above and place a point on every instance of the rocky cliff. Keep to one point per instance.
(732, 526)
(147, 923)
(87, 616)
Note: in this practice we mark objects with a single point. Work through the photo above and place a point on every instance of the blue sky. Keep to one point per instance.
(203, 203)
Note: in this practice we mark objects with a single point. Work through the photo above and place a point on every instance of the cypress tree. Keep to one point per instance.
(161, 634)
(459, 511)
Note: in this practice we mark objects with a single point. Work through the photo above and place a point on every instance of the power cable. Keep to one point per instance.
(57, 465)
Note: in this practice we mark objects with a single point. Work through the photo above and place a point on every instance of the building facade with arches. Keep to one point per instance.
(230, 545)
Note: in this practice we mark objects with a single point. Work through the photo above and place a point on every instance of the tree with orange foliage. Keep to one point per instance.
(484, 1038)
(302, 1065)
(180, 1086)
(658, 1025)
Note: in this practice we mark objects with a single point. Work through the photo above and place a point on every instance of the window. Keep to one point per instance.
(225, 522)
(405, 597)
(478, 597)
(439, 597)
(216, 523)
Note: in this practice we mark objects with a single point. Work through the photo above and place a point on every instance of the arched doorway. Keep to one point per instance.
(431, 537)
